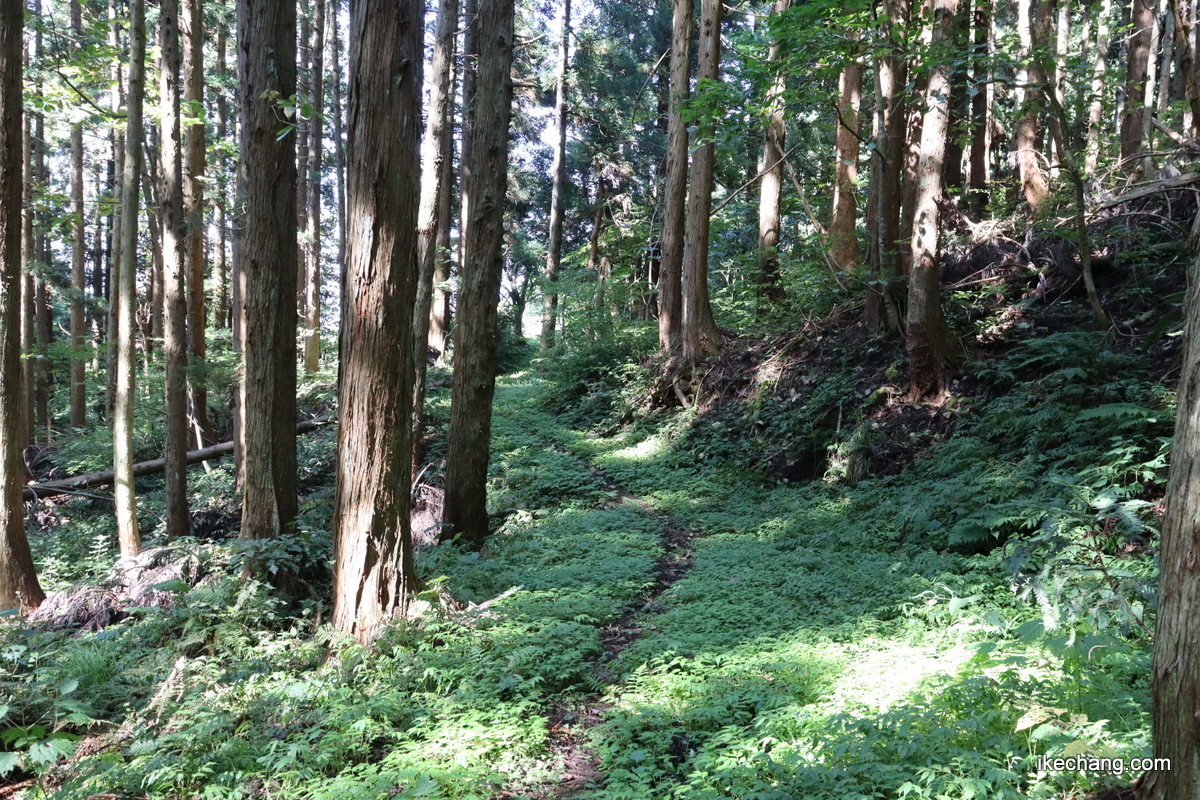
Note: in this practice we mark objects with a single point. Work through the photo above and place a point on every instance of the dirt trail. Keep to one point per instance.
(569, 726)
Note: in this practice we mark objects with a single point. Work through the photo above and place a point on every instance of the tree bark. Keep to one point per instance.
(701, 337)
(1027, 135)
(267, 260)
(172, 221)
(1099, 70)
(1175, 677)
(1136, 73)
(193, 205)
(78, 393)
(1185, 44)
(435, 206)
(19, 587)
(28, 289)
(843, 224)
(128, 535)
(374, 573)
(339, 139)
(312, 300)
(42, 310)
(223, 312)
(928, 338)
(981, 134)
(559, 172)
(484, 183)
(116, 99)
(774, 139)
(670, 276)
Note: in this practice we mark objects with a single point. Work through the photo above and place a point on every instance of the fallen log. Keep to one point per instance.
(35, 491)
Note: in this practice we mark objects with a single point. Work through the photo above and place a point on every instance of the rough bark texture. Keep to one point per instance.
(1136, 71)
(78, 394)
(439, 306)
(435, 196)
(1027, 134)
(559, 172)
(701, 337)
(774, 138)
(374, 575)
(171, 214)
(222, 313)
(339, 141)
(28, 334)
(927, 336)
(267, 260)
(193, 205)
(128, 535)
(312, 245)
(843, 224)
(485, 177)
(19, 586)
(670, 276)
(1099, 70)
(1176, 675)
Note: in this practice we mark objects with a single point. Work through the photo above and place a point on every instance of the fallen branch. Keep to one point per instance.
(1152, 188)
(35, 491)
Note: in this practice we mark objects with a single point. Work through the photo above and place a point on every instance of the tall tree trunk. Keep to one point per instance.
(171, 214)
(701, 336)
(485, 178)
(1175, 677)
(439, 307)
(78, 393)
(116, 100)
(42, 309)
(303, 125)
(267, 260)
(28, 289)
(374, 574)
(1136, 72)
(312, 300)
(559, 172)
(19, 587)
(1185, 44)
(1099, 71)
(128, 535)
(929, 339)
(223, 312)
(670, 276)
(883, 299)
(193, 204)
(981, 133)
(774, 137)
(1027, 135)
(339, 139)
(843, 224)
(435, 205)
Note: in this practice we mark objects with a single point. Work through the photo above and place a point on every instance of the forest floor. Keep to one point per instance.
(686, 625)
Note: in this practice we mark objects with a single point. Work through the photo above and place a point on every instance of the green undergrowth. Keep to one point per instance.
(926, 633)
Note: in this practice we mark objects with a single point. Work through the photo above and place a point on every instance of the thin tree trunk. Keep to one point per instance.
(1099, 71)
(928, 338)
(29, 289)
(484, 183)
(670, 276)
(774, 138)
(435, 205)
(559, 173)
(1175, 676)
(1058, 132)
(223, 311)
(1136, 73)
(312, 301)
(303, 125)
(43, 311)
(267, 260)
(174, 290)
(1185, 43)
(439, 307)
(193, 204)
(843, 225)
(981, 139)
(128, 535)
(339, 139)
(374, 575)
(701, 337)
(116, 100)
(893, 76)
(78, 393)
(19, 587)
(1027, 135)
